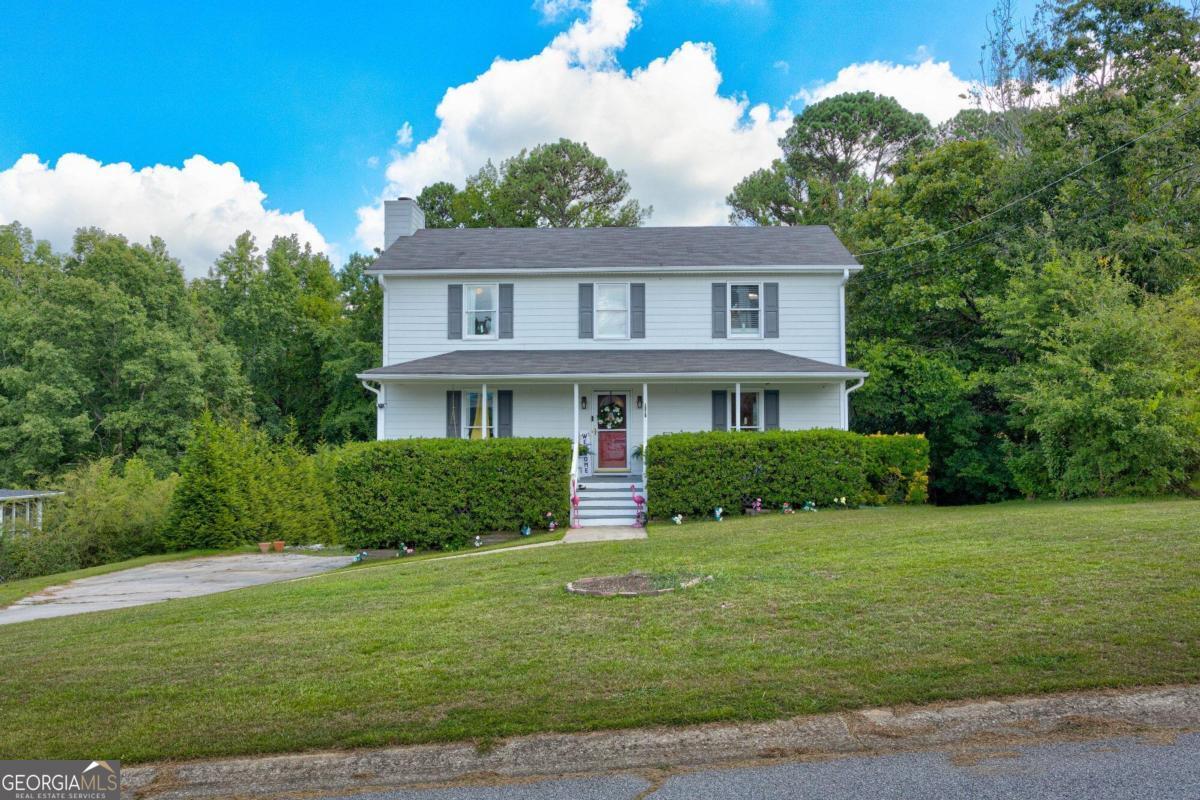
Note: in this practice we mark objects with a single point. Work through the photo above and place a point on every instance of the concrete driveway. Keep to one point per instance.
(154, 583)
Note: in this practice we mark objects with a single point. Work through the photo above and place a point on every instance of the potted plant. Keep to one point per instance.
(278, 543)
(264, 547)
(585, 461)
(637, 454)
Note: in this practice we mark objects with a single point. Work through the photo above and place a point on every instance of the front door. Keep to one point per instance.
(612, 431)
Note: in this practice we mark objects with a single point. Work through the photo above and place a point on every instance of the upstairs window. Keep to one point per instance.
(480, 310)
(744, 309)
(612, 311)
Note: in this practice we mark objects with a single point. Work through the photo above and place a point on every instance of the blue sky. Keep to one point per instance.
(306, 99)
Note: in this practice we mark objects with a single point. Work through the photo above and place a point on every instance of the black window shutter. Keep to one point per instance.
(585, 311)
(504, 413)
(771, 410)
(720, 420)
(506, 311)
(719, 296)
(453, 415)
(771, 309)
(637, 311)
(454, 311)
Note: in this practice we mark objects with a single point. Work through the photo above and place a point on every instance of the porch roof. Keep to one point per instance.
(631, 363)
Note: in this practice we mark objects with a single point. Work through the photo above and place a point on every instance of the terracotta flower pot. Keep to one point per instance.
(278, 545)
(264, 547)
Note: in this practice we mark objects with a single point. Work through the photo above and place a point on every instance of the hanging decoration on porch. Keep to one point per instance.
(611, 416)
(585, 456)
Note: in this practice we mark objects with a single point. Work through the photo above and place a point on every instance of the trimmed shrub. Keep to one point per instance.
(438, 493)
(693, 473)
(238, 487)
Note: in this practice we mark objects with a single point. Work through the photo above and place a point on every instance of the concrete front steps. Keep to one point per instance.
(607, 500)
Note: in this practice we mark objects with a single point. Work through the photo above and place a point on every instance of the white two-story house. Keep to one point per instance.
(609, 336)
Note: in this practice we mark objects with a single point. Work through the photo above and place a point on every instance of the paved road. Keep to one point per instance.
(154, 583)
(1113, 769)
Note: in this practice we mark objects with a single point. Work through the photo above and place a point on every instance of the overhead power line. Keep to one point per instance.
(1165, 124)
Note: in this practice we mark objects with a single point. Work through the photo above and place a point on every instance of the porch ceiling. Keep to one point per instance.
(585, 364)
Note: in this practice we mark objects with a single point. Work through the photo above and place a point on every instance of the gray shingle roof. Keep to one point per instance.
(626, 363)
(609, 248)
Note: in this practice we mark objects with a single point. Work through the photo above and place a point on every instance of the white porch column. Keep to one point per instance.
(645, 424)
(39, 513)
(737, 406)
(27, 515)
(575, 431)
(483, 398)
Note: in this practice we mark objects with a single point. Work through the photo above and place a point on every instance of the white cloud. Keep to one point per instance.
(782, 66)
(198, 209)
(683, 144)
(404, 136)
(929, 87)
(554, 10)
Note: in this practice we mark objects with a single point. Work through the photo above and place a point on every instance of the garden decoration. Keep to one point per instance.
(575, 509)
(526, 530)
(754, 507)
(640, 520)
(479, 541)
(787, 509)
(839, 501)
(408, 551)
(551, 523)
(717, 512)
(585, 456)
(677, 519)
(360, 557)
(809, 505)
(638, 500)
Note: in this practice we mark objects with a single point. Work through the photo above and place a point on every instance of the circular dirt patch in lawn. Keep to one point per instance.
(635, 584)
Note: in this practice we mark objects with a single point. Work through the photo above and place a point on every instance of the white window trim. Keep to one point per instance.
(596, 310)
(492, 411)
(735, 413)
(729, 309)
(468, 320)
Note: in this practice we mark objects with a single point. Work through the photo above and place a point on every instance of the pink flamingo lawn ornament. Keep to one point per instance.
(638, 500)
(574, 507)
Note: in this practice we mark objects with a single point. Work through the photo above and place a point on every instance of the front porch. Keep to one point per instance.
(610, 404)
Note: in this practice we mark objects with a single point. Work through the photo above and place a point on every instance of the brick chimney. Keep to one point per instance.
(401, 217)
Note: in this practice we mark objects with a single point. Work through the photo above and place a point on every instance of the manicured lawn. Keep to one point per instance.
(807, 613)
(14, 590)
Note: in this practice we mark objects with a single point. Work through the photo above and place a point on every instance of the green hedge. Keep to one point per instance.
(693, 473)
(438, 493)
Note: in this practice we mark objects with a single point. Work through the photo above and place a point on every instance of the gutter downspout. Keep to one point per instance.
(846, 392)
(380, 406)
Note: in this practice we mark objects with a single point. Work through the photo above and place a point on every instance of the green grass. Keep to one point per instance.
(806, 613)
(13, 591)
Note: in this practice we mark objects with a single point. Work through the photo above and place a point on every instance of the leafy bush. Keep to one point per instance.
(237, 487)
(438, 493)
(108, 513)
(693, 473)
(28, 554)
(117, 514)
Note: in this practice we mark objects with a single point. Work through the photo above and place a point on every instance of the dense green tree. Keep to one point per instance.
(556, 185)
(355, 348)
(101, 354)
(281, 310)
(834, 154)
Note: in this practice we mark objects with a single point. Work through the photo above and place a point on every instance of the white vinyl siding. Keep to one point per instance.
(678, 309)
